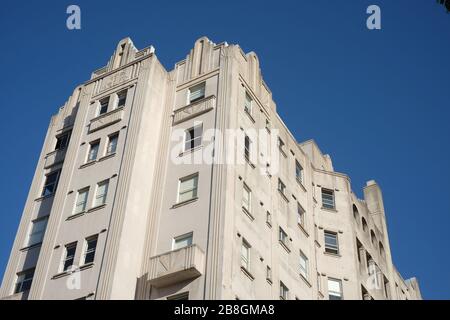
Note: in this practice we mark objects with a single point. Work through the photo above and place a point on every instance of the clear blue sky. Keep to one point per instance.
(376, 101)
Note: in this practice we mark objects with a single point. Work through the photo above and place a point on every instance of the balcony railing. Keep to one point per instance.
(194, 109)
(176, 266)
(106, 119)
(54, 158)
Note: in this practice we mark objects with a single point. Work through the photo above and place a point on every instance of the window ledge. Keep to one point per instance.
(269, 281)
(76, 215)
(301, 184)
(247, 273)
(249, 162)
(303, 229)
(269, 224)
(248, 214)
(283, 195)
(180, 204)
(86, 266)
(97, 207)
(61, 274)
(183, 153)
(282, 152)
(107, 157)
(305, 280)
(328, 209)
(249, 115)
(284, 246)
(318, 244)
(41, 198)
(334, 255)
(87, 164)
(31, 246)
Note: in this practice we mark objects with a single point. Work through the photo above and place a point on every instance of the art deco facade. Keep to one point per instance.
(116, 212)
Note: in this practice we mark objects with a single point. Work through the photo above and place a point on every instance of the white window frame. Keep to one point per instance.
(187, 138)
(40, 233)
(248, 103)
(91, 144)
(101, 196)
(327, 203)
(338, 294)
(187, 236)
(283, 237)
(304, 265)
(246, 255)
(107, 100)
(281, 187)
(298, 172)
(119, 94)
(66, 257)
(246, 204)
(111, 138)
(55, 184)
(330, 248)
(77, 201)
(87, 251)
(301, 215)
(202, 89)
(23, 277)
(284, 291)
(194, 189)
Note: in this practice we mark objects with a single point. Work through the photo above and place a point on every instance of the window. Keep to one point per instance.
(304, 269)
(281, 146)
(355, 213)
(112, 144)
(298, 172)
(382, 252)
(24, 280)
(196, 92)
(103, 106)
(51, 183)
(373, 238)
(93, 150)
(246, 198)
(268, 125)
(269, 218)
(284, 291)
(182, 241)
(248, 103)
(269, 274)
(327, 198)
(331, 242)
(247, 146)
(80, 204)
(187, 188)
(69, 255)
(283, 237)
(90, 247)
(364, 224)
(102, 192)
(121, 99)
(193, 137)
(245, 255)
(180, 296)
(300, 215)
(62, 141)
(37, 231)
(334, 289)
(281, 187)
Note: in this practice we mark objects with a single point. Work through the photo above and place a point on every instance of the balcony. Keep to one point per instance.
(176, 266)
(194, 109)
(106, 119)
(54, 158)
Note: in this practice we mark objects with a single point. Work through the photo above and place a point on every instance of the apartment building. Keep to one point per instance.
(186, 184)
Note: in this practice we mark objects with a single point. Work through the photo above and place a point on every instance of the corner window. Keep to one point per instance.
(300, 215)
(187, 188)
(331, 242)
(24, 280)
(328, 198)
(268, 274)
(283, 237)
(182, 241)
(281, 187)
(334, 289)
(102, 192)
(193, 137)
(247, 146)
(197, 92)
